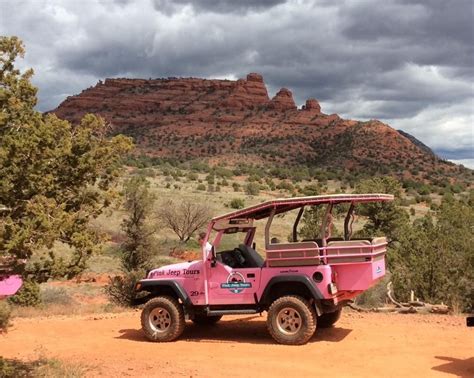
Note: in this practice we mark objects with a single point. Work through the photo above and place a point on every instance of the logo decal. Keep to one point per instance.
(378, 270)
(236, 283)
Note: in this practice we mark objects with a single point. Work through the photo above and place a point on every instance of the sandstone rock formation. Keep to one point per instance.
(312, 105)
(186, 118)
(283, 100)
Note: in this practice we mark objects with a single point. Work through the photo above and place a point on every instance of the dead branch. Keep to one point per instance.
(411, 307)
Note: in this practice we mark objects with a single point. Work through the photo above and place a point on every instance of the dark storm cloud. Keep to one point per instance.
(465, 153)
(216, 6)
(430, 28)
(409, 63)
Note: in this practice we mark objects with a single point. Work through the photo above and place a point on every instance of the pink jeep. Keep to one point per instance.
(9, 283)
(302, 284)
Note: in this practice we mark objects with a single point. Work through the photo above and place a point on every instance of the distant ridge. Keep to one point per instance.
(236, 121)
(417, 142)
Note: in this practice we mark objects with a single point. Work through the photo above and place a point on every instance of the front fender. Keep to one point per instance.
(160, 287)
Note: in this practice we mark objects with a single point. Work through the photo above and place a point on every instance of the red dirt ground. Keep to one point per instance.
(361, 345)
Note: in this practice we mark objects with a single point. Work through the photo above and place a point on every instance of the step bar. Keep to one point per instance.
(231, 312)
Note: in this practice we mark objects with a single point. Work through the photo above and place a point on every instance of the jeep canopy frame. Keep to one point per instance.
(315, 251)
(274, 207)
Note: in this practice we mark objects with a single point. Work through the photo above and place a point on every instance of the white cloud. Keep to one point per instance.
(469, 163)
(442, 127)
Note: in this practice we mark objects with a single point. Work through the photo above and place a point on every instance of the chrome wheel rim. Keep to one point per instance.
(159, 319)
(289, 321)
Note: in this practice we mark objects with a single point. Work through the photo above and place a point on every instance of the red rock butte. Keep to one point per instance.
(229, 121)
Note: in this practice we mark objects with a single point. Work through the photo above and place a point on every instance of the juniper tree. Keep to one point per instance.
(54, 177)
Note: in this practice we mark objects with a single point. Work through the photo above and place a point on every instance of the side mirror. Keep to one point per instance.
(213, 257)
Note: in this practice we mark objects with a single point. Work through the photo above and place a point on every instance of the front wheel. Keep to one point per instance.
(327, 320)
(291, 320)
(162, 319)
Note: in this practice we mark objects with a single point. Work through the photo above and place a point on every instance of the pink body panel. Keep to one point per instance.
(9, 285)
(233, 286)
(223, 285)
(359, 276)
(189, 275)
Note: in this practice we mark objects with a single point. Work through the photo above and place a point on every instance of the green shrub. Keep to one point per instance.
(193, 244)
(121, 289)
(201, 187)
(28, 295)
(236, 186)
(210, 179)
(311, 190)
(192, 176)
(285, 185)
(237, 203)
(5, 312)
(252, 189)
(375, 296)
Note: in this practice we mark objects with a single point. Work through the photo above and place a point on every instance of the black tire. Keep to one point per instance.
(291, 320)
(162, 319)
(327, 320)
(206, 320)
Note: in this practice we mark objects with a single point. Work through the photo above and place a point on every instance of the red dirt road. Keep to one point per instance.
(361, 345)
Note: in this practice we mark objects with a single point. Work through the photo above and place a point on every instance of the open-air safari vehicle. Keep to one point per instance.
(302, 284)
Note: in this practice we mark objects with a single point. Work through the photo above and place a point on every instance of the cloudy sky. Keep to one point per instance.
(407, 63)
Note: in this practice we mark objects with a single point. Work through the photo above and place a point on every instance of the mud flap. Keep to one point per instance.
(318, 308)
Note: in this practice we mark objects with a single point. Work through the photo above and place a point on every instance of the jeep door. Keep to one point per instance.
(228, 283)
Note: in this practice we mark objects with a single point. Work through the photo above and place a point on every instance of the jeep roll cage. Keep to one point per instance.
(242, 220)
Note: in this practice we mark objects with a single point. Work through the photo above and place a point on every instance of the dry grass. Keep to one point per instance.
(65, 310)
(42, 367)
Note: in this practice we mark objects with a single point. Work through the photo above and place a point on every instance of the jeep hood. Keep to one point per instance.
(184, 269)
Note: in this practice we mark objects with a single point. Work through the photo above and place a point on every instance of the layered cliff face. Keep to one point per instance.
(235, 121)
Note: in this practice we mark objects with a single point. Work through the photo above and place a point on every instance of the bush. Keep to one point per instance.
(210, 179)
(237, 203)
(121, 289)
(252, 189)
(28, 295)
(285, 185)
(201, 187)
(236, 187)
(5, 312)
(375, 296)
(192, 176)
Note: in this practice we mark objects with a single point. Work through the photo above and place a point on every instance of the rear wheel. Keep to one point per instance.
(162, 319)
(206, 320)
(291, 320)
(327, 320)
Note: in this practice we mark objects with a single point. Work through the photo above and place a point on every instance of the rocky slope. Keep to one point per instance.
(232, 121)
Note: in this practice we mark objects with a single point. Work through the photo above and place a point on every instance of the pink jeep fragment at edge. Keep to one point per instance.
(9, 285)
(301, 284)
